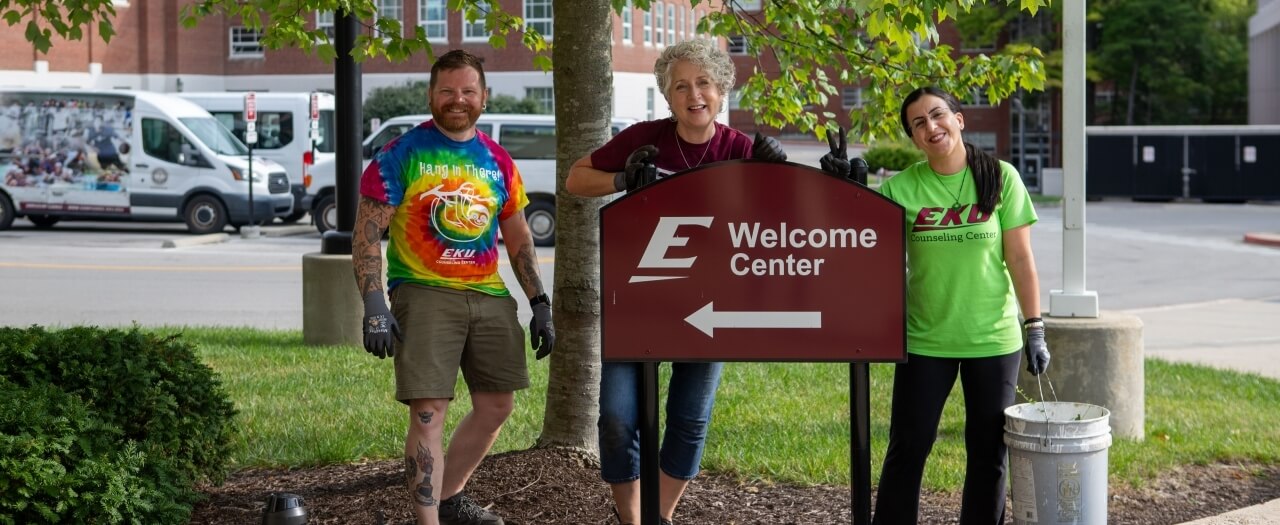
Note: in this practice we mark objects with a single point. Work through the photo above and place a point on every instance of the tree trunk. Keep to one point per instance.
(583, 83)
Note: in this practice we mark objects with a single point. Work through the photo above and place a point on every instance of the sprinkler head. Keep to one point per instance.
(284, 508)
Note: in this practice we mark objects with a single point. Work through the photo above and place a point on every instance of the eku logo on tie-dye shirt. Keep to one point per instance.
(449, 197)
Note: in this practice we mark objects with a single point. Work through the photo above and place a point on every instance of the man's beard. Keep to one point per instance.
(455, 122)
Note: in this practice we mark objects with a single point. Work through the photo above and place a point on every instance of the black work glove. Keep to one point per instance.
(542, 332)
(639, 171)
(767, 148)
(1035, 349)
(860, 170)
(836, 162)
(379, 326)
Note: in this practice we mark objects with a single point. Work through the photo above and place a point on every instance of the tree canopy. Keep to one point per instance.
(886, 46)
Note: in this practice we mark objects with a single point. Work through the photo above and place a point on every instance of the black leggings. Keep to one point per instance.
(920, 389)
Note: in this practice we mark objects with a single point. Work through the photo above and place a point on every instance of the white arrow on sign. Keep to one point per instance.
(707, 319)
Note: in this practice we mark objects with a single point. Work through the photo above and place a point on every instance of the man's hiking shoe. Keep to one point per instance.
(462, 510)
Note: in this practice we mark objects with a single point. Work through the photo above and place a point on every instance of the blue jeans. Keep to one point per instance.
(690, 397)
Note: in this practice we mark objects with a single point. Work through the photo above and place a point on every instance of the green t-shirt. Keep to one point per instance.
(960, 298)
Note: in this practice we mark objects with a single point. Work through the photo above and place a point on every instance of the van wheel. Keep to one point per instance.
(326, 214)
(43, 221)
(6, 212)
(541, 216)
(205, 214)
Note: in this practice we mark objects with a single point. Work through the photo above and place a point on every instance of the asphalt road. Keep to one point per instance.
(1140, 256)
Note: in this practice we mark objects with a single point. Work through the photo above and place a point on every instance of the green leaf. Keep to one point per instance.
(12, 17)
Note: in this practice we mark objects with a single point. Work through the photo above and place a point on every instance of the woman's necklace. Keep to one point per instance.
(955, 204)
(704, 150)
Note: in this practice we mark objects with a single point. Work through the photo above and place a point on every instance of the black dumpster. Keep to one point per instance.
(1213, 163)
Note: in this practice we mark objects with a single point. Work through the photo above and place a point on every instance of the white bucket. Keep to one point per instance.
(1058, 462)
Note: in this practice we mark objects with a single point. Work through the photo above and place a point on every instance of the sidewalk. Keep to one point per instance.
(1238, 335)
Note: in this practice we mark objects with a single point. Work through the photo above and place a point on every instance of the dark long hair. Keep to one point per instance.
(985, 168)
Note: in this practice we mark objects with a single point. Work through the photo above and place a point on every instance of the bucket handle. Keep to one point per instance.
(1045, 440)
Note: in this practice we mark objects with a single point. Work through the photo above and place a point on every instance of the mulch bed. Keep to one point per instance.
(559, 487)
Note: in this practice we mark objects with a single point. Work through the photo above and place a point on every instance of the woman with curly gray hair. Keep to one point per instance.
(694, 76)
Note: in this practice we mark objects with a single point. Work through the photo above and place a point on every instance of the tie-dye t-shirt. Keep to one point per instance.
(449, 197)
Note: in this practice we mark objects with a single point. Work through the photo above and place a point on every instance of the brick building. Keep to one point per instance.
(152, 51)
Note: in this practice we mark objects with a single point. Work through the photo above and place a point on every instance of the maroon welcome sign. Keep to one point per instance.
(753, 261)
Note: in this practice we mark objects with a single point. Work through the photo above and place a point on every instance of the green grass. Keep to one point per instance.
(786, 422)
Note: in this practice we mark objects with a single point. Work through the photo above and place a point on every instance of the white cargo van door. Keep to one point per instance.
(165, 170)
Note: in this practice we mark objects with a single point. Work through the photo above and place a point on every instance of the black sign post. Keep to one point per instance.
(754, 261)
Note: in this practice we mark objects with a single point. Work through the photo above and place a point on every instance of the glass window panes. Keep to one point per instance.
(648, 28)
(851, 97)
(163, 141)
(537, 14)
(432, 16)
(529, 141)
(737, 45)
(324, 22)
(393, 9)
(671, 24)
(978, 97)
(244, 42)
(657, 23)
(544, 95)
(626, 22)
(984, 140)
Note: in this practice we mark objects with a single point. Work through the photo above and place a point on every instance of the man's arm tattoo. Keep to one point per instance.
(372, 218)
(425, 417)
(526, 268)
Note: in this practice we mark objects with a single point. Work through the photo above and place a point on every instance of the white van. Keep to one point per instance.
(284, 133)
(128, 155)
(531, 141)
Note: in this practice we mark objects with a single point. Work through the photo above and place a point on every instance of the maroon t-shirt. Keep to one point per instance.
(674, 154)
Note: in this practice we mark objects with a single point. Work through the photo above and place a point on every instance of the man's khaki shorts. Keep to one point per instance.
(446, 330)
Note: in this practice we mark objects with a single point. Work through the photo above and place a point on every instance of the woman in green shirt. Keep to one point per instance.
(971, 275)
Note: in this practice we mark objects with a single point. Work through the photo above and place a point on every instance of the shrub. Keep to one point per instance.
(411, 99)
(891, 156)
(106, 426)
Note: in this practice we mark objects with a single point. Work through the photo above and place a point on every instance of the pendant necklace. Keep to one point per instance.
(955, 204)
(704, 150)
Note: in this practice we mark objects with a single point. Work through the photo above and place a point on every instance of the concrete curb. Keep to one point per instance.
(196, 240)
(1264, 514)
(1265, 239)
(288, 231)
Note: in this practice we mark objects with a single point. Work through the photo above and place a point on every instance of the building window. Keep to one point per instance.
(748, 5)
(626, 23)
(737, 45)
(984, 140)
(977, 98)
(657, 23)
(244, 42)
(648, 28)
(537, 14)
(650, 95)
(324, 23)
(474, 31)
(393, 9)
(433, 18)
(545, 96)
(851, 97)
(671, 24)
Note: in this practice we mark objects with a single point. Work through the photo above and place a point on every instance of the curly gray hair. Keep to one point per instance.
(701, 52)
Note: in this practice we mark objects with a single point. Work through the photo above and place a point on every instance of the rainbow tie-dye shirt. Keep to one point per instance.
(449, 197)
